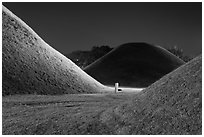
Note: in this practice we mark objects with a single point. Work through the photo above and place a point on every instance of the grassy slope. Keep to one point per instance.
(172, 105)
(29, 65)
(133, 65)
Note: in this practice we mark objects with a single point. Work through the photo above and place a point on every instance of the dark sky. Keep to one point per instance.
(79, 26)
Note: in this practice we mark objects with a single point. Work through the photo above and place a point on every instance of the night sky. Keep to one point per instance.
(79, 26)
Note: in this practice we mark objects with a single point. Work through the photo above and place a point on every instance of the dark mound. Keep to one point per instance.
(133, 65)
(172, 105)
(29, 65)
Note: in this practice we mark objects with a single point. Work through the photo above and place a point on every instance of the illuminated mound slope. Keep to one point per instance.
(29, 65)
(172, 105)
(133, 65)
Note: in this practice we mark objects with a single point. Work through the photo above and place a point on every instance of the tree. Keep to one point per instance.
(179, 53)
(84, 58)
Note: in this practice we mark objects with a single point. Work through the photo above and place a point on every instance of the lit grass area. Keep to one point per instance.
(31, 66)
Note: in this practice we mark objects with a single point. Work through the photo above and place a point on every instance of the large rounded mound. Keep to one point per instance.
(172, 105)
(133, 65)
(29, 65)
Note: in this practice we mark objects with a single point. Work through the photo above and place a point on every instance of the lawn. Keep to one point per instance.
(64, 114)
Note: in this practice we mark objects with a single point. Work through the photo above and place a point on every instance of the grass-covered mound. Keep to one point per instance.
(172, 105)
(29, 65)
(133, 65)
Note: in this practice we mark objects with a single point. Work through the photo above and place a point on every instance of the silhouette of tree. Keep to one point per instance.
(84, 58)
(179, 53)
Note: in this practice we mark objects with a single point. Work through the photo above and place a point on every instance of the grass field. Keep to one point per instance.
(64, 114)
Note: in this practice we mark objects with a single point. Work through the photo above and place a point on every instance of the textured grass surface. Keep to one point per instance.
(67, 114)
(133, 65)
(172, 105)
(29, 65)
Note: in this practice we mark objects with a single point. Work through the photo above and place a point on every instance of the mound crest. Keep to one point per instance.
(133, 65)
(29, 65)
(172, 105)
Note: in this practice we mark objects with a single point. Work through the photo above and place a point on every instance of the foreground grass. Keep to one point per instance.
(66, 114)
